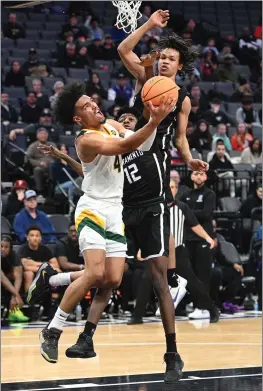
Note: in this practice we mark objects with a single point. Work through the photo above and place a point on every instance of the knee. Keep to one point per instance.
(97, 276)
(28, 276)
(114, 282)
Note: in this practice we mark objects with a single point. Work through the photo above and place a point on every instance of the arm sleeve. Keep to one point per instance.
(190, 218)
(209, 207)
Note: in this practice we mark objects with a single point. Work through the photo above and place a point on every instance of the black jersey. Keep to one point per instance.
(167, 127)
(143, 175)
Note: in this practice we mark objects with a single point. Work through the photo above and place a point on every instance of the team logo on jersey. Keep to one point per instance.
(200, 198)
(113, 132)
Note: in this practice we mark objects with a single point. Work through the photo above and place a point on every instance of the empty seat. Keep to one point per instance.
(50, 81)
(37, 17)
(224, 88)
(231, 131)
(60, 72)
(49, 34)
(26, 43)
(34, 25)
(6, 43)
(53, 26)
(52, 248)
(5, 226)
(32, 34)
(206, 86)
(60, 223)
(230, 204)
(19, 53)
(243, 170)
(47, 44)
(102, 63)
(79, 74)
(4, 198)
(229, 251)
(15, 92)
(232, 108)
(60, 19)
(257, 131)
(67, 140)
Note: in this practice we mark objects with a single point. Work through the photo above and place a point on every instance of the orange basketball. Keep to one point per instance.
(157, 87)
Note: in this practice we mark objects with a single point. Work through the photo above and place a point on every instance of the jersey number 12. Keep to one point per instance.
(131, 172)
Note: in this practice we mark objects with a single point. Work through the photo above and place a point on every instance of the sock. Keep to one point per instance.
(60, 279)
(59, 320)
(171, 343)
(90, 329)
(172, 278)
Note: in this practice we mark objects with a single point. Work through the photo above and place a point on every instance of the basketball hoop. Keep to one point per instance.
(128, 14)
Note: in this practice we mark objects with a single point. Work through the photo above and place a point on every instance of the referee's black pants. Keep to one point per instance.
(195, 287)
(201, 260)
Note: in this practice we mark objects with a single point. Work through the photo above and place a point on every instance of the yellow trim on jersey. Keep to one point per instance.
(91, 216)
(107, 131)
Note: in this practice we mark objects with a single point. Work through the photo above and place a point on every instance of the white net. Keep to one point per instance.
(128, 14)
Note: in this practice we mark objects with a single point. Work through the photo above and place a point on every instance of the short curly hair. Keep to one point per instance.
(188, 54)
(64, 108)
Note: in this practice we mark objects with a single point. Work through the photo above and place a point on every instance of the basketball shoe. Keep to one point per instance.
(49, 344)
(174, 367)
(177, 293)
(83, 348)
(40, 284)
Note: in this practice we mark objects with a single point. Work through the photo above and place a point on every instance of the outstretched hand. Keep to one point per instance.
(158, 113)
(198, 165)
(159, 19)
(50, 150)
(147, 60)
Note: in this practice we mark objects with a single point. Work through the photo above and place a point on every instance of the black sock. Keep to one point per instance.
(171, 343)
(90, 329)
(172, 278)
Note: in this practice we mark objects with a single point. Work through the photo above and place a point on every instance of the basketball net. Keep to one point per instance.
(128, 14)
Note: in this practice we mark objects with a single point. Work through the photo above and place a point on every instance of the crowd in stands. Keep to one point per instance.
(225, 125)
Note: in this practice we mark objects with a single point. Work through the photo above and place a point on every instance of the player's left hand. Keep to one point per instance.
(211, 242)
(198, 165)
(147, 60)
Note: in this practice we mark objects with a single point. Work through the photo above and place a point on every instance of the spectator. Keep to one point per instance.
(116, 32)
(58, 86)
(199, 97)
(146, 14)
(60, 177)
(195, 32)
(216, 115)
(29, 216)
(13, 29)
(30, 131)
(8, 112)
(94, 86)
(247, 114)
(11, 281)
(248, 48)
(109, 49)
(39, 162)
(204, 136)
(33, 254)
(15, 200)
(35, 67)
(244, 89)
(15, 77)
(241, 139)
(73, 26)
(221, 134)
(96, 49)
(83, 58)
(258, 30)
(253, 201)
(227, 50)
(227, 274)
(253, 153)
(226, 70)
(121, 90)
(30, 111)
(95, 30)
(211, 45)
(42, 99)
(209, 66)
(68, 253)
(69, 58)
(195, 114)
(113, 111)
(192, 138)
(97, 99)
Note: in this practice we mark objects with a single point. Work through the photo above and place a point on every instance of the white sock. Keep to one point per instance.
(60, 279)
(59, 320)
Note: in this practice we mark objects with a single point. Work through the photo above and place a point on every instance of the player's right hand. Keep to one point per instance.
(158, 113)
(147, 60)
(50, 150)
(159, 18)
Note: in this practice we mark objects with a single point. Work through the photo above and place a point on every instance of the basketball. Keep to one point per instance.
(157, 87)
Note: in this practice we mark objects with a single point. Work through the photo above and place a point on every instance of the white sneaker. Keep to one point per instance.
(177, 293)
(199, 314)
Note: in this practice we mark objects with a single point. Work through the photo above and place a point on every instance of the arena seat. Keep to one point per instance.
(60, 223)
(26, 44)
(257, 131)
(5, 226)
(230, 204)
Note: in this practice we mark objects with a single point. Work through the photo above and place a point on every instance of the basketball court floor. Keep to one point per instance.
(225, 356)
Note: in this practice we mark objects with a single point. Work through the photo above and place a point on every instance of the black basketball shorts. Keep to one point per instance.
(147, 229)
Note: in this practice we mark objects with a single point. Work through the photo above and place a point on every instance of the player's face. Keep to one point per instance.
(128, 121)
(169, 63)
(199, 177)
(34, 238)
(88, 113)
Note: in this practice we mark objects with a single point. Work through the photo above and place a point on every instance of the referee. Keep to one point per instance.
(183, 219)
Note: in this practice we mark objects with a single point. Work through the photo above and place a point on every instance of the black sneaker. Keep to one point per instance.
(82, 349)
(174, 367)
(134, 320)
(49, 344)
(214, 315)
(40, 284)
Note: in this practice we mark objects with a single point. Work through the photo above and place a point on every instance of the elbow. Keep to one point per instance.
(120, 48)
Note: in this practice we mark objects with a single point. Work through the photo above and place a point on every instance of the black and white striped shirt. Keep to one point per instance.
(180, 217)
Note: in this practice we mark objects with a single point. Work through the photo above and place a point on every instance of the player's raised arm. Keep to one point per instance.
(125, 49)
(94, 143)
